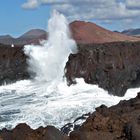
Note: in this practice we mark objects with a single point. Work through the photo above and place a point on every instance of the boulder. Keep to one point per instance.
(120, 122)
(24, 132)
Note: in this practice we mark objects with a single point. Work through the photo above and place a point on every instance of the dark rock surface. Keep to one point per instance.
(66, 129)
(24, 132)
(13, 64)
(113, 66)
(119, 122)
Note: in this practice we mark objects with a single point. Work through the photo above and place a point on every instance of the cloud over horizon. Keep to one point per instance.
(103, 10)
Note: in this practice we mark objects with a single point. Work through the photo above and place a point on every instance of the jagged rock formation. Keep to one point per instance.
(113, 66)
(24, 132)
(119, 122)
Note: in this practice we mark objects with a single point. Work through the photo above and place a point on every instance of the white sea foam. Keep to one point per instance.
(48, 60)
(47, 100)
(35, 104)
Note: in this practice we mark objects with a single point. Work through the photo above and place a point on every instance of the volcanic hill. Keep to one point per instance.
(83, 33)
(88, 33)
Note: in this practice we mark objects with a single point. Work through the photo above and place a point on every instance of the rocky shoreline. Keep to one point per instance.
(119, 122)
(113, 66)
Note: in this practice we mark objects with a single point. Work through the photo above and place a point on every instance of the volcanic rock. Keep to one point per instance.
(24, 132)
(113, 66)
(120, 122)
(13, 64)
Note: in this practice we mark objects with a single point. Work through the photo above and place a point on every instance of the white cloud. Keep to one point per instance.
(31, 4)
(91, 9)
(134, 4)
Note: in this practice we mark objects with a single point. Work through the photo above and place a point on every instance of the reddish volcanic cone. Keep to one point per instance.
(86, 32)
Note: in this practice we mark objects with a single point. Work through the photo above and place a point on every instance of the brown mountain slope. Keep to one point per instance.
(86, 32)
(34, 33)
(82, 32)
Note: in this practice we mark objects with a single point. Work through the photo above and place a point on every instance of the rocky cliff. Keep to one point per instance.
(13, 64)
(120, 122)
(113, 66)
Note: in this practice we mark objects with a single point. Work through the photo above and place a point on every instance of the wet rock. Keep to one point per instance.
(120, 122)
(75, 125)
(113, 66)
(24, 132)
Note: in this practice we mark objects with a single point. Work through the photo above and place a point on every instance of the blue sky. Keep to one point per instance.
(15, 20)
(19, 16)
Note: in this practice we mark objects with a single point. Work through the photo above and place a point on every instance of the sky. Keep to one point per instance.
(19, 16)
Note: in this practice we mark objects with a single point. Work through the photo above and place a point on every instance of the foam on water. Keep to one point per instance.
(47, 100)
(30, 102)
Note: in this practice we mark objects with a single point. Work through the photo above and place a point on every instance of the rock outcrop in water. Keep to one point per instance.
(120, 122)
(113, 66)
(24, 132)
(13, 64)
